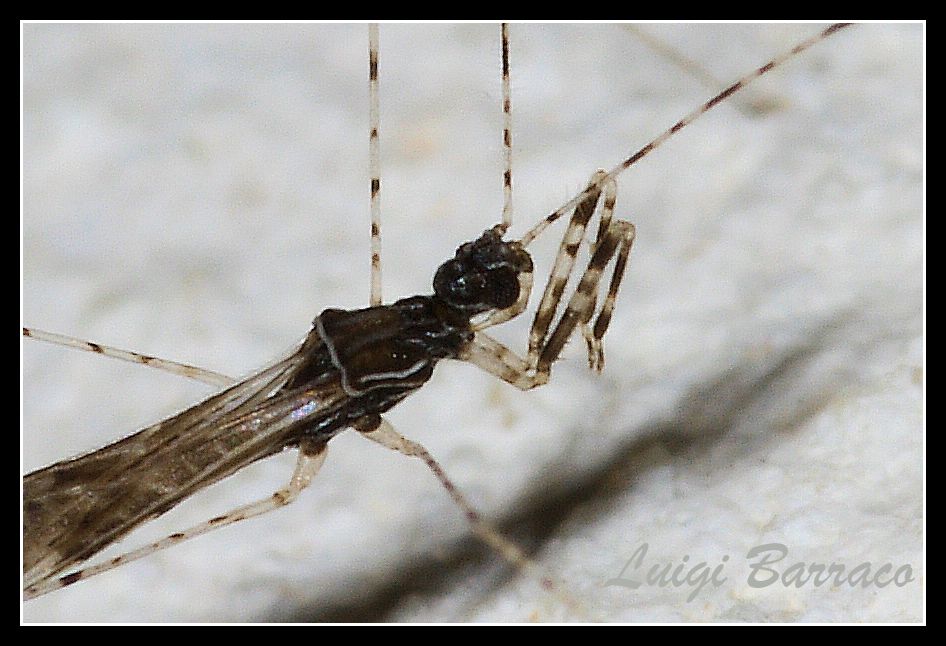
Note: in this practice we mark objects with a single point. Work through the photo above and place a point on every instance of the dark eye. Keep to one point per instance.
(450, 282)
(469, 286)
(505, 288)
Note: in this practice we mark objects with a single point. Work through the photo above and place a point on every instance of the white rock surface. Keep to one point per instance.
(199, 192)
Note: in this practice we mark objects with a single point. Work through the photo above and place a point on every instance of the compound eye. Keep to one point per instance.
(505, 288)
(453, 283)
(469, 287)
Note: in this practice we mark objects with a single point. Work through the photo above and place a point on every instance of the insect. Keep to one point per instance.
(358, 299)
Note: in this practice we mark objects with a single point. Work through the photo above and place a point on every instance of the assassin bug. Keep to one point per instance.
(619, 202)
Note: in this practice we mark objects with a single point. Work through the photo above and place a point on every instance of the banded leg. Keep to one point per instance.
(378, 429)
(614, 237)
(311, 457)
(495, 358)
(617, 239)
(622, 232)
(182, 369)
(565, 260)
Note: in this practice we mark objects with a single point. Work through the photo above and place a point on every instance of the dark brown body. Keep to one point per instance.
(352, 366)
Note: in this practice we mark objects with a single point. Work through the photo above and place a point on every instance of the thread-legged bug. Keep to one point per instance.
(563, 156)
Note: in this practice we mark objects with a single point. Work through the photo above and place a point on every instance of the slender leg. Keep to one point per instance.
(311, 457)
(607, 309)
(378, 429)
(614, 237)
(498, 360)
(562, 268)
(582, 303)
(182, 369)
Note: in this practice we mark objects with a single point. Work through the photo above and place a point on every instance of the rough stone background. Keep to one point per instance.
(199, 192)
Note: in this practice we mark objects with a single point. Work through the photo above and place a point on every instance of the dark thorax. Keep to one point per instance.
(382, 354)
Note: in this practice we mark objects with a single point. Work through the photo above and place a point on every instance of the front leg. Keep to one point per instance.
(613, 237)
(495, 358)
(525, 374)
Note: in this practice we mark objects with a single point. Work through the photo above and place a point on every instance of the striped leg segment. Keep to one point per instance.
(378, 429)
(564, 263)
(614, 239)
(181, 369)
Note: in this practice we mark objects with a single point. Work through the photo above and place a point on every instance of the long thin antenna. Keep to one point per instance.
(507, 132)
(535, 231)
(374, 163)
